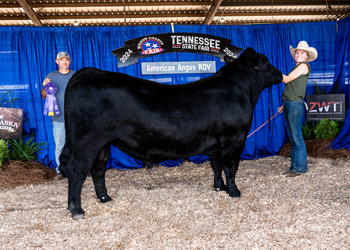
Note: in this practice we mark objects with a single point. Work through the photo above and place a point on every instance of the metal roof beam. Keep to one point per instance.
(30, 13)
(282, 3)
(176, 3)
(108, 15)
(107, 4)
(154, 14)
(281, 13)
(333, 11)
(121, 16)
(212, 11)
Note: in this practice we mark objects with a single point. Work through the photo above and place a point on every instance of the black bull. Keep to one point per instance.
(155, 122)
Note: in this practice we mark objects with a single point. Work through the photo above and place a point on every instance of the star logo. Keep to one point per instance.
(151, 46)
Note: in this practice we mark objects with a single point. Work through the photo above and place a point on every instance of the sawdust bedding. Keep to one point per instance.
(177, 208)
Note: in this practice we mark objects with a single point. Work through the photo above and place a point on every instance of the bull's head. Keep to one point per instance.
(261, 65)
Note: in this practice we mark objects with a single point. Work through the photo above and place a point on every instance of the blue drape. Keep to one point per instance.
(29, 54)
(341, 79)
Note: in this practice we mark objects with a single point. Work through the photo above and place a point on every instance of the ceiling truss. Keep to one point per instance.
(162, 12)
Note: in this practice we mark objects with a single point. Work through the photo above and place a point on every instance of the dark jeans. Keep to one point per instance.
(293, 116)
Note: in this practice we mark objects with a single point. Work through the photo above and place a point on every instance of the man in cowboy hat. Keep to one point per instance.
(293, 105)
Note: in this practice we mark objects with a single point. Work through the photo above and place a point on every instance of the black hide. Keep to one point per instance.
(154, 122)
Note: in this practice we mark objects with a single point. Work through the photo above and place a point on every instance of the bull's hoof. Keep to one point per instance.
(235, 194)
(223, 188)
(105, 199)
(77, 214)
(78, 217)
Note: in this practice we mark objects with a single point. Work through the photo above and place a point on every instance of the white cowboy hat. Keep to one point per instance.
(311, 51)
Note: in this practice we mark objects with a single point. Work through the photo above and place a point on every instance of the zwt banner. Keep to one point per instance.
(330, 106)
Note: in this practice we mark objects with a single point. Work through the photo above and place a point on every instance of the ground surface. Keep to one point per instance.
(16, 173)
(177, 208)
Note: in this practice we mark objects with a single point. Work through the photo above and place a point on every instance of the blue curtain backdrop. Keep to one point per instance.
(341, 78)
(28, 54)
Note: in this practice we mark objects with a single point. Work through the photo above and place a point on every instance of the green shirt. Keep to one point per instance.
(295, 90)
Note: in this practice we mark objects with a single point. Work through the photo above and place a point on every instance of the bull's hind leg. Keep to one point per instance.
(75, 184)
(98, 174)
(217, 167)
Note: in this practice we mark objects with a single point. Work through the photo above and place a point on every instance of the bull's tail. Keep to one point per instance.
(64, 160)
(148, 164)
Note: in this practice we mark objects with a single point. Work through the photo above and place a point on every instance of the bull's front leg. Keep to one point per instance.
(217, 167)
(98, 176)
(75, 184)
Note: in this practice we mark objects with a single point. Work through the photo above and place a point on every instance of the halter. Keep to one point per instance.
(257, 68)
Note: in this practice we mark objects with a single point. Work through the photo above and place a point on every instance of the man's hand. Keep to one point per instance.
(43, 92)
(46, 81)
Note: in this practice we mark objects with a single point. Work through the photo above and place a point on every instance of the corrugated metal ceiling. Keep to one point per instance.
(160, 12)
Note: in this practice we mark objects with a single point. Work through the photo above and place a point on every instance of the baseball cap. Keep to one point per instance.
(62, 54)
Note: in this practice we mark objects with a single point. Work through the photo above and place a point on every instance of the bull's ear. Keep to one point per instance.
(228, 59)
(251, 56)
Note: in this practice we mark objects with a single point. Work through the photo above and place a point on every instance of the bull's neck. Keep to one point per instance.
(253, 87)
(256, 89)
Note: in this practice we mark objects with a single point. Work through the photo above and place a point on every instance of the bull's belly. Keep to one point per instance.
(156, 154)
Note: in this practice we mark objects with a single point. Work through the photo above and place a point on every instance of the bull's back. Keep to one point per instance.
(93, 86)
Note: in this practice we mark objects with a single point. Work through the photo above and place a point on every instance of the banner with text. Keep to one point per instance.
(330, 106)
(150, 45)
(11, 122)
(158, 68)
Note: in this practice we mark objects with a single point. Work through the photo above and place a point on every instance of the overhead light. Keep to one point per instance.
(76, 23)
(172, 27)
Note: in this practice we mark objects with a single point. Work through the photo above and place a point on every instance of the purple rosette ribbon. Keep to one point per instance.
(51, 103)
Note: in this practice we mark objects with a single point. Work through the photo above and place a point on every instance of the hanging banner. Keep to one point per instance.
(330, 106)
(158, 68)
(150, 45)
(11, 122)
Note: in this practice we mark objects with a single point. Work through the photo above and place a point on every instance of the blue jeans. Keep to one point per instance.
(293, 116)
(59, 135)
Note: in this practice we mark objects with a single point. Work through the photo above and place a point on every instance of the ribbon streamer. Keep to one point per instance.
(51, 103)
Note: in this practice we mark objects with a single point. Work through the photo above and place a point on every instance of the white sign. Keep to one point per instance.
(157, 68)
